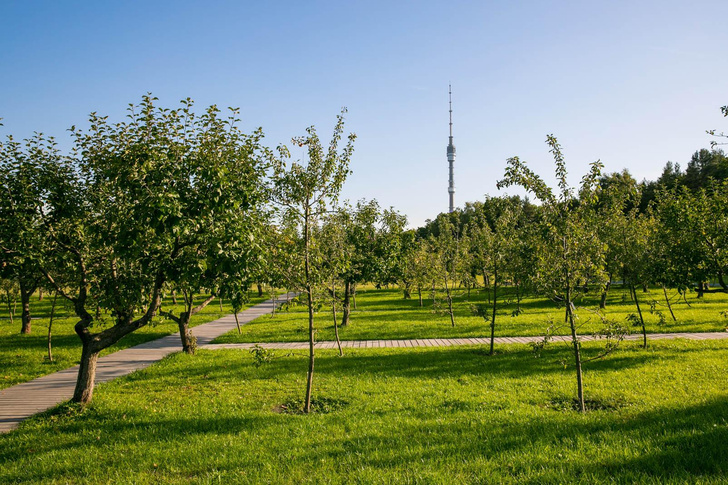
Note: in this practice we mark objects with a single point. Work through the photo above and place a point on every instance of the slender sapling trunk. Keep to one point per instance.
(336, 323)
(309, 296)
(11, 313)
(495, 301)
(50, 327)
(346, 306)
(669, 306)
(642, 320)
(577, 350)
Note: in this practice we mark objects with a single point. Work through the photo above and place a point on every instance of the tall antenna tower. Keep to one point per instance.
(451, 158)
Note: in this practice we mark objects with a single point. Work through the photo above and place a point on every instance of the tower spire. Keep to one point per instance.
(451, 156)
(449, 92)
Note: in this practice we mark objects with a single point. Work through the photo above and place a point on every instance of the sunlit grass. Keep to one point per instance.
(384, 314)
(24, 357)
(449, 415)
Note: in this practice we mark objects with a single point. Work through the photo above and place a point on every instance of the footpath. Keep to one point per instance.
(24, 400)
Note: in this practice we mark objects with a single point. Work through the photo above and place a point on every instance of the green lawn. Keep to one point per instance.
(24, 357)
(450, 415)
(384, 314)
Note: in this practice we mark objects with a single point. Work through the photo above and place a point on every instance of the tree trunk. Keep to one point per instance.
(336, 324)
(603, 300)
(50, 327)
(577, 351)
(486, 284)
(237, 323)
(11, 312)
(311, 331)
(40, 294)
(495, 300)
(86, 373)
(346, 306)
(174, 297)
(419, 294)
(449, 303)
(642, 320)
(25, 293)
(669, 306)
(353, 294)
(260, 290)
(189, 343)
(721, 281)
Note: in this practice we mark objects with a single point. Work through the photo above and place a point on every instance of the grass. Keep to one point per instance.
(24, 357)
(384, 314)
(448, 415)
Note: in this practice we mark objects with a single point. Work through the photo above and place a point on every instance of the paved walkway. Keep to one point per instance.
(448, 342)
(24, 400)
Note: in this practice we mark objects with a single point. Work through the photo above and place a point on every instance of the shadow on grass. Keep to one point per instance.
(686, 444)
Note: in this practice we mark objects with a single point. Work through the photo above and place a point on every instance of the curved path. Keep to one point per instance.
(24, 400)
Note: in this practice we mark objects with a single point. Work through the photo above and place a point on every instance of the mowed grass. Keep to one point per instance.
(385, 314)
(24, 357)
(449, 415)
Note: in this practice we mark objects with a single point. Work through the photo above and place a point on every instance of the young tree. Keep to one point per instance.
(20, 231)
(569, 251)
(360, 228)
(417, 267)
(496, 248)
(306, 191)
(332, 254)
(449, 249)
(635, 259)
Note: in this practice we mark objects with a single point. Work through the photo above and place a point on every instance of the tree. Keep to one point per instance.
(306, 191)
(332, 256)
(360, 229)
(127, 211)
(569, 251)
(20, 232)
(635, 258)
(694, 234)
(417, 267)
(449, 251)
(496, 248)
(704, 166)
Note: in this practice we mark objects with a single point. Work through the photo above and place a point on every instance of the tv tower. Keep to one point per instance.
(451, 158)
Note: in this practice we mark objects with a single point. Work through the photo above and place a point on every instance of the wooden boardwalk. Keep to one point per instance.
(449, 342)
(24, 400)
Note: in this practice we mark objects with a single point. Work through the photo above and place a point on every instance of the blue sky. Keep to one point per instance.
(634, 84)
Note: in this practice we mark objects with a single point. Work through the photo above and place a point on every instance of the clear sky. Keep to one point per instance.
(633, 83)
